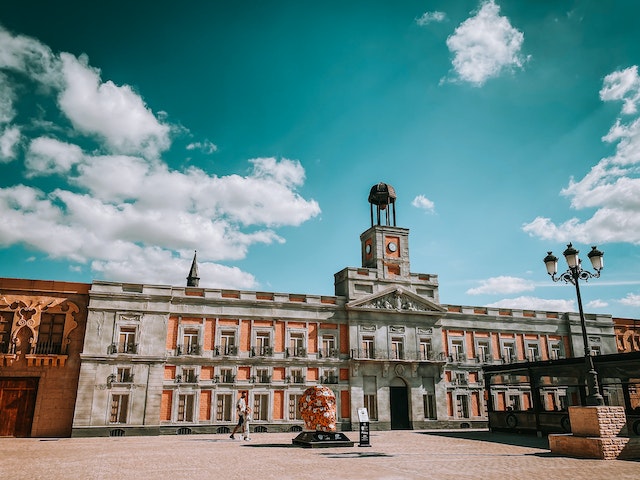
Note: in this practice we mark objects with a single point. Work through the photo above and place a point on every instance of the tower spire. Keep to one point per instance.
(193, 279)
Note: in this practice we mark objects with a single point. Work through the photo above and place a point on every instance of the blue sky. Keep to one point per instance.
(133, 133)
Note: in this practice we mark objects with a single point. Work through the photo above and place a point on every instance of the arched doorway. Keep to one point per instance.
(399, 403)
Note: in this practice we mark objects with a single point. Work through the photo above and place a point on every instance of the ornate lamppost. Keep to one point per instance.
(573, 275)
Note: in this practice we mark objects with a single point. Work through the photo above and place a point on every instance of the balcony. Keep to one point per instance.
(49, 348)
(329, 379)
(296, 352)
(261, 379)
(371, 354)
(188, 349)
(294, 379)
(225, 351)
(261, 351)
(328, 353)
(187, 378)
(226, 379)
(129, 348)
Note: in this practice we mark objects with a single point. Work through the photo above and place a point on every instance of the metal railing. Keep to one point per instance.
(328, 353)
(188, 349)
(130, 348)
(229, 350)
(261, 351)
(380, 354)
(224, 379)
(295, 352)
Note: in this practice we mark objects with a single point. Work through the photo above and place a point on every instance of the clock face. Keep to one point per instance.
(392, 246)
(367, 248)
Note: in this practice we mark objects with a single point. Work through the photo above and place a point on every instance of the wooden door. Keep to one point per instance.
(17, 403)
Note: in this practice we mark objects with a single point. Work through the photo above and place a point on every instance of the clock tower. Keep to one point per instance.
(385, 257)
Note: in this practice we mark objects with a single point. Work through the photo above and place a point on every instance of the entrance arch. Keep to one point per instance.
(399, 404)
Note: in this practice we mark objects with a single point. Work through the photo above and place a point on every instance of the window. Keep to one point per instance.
(294, 406)
(261, 406)
(462, 406)
(224, 404)
(189, 375)
(456, 349)
(328, 346)
(50, 334)
(460, 378)
(296, 345)
(370, 391)
(127, 340)
(555, 350)
(368, 349)
(429, 398)
(296, 375)
(330, 376)
(190, 344)
(262, 375)
(226, 375)
(124, 375)
(509, 351)
(397, 348)
(6, 319)
(429, 405)
(514, 402)
(186, 407)
(263, 344)
(425, 349)
(228, 342)
(595, 350)
(483, 351)
(119, 407)
(533, 351)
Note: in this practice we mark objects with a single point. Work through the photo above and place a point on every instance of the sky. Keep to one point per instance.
(135, 133)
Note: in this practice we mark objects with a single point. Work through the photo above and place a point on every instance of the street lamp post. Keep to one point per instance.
(573, 275)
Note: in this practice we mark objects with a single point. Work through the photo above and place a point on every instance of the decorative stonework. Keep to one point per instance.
(396, 301)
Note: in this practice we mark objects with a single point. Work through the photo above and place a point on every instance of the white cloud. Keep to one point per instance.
(533, 303)
(115, 113)
(632, 300)
(431, 17)
(485, 45)
(120, 208)
(47, 156)
(612, 186)
(502, 285)
(597, 304)
(9, 139)
(206, 147)
(423, 203)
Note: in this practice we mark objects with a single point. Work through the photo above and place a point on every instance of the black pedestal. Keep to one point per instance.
(322, 440)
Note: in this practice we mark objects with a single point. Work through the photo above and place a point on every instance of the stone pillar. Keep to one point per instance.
(597, 432)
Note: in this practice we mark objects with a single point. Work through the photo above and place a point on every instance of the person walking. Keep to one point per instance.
(247, 419)
(241, 407)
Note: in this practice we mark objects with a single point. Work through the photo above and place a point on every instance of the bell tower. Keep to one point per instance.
(385, 246)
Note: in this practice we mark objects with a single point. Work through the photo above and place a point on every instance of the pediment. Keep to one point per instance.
(396, 299)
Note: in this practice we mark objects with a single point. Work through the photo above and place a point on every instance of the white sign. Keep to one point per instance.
(363, 415)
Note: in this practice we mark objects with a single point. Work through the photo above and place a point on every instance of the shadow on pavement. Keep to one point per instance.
(517, 439)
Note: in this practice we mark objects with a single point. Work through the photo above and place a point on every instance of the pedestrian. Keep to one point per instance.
(241, 407)
(247, 419)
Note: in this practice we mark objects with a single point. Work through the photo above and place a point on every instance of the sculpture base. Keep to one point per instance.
(322, 440)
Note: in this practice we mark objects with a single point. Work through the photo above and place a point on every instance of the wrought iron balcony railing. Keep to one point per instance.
(187, 378)
(188, 349)
(410, 355)
(224, 378)
(130, 348)
(296, 352)
(227, 351)
(261, 351)
(328, 353)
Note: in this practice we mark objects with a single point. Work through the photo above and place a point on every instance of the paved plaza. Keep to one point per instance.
(396, 455)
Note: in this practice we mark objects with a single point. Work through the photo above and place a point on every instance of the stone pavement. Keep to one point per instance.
(397, 455)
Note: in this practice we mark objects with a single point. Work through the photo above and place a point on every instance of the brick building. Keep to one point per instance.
(166, 359)
(41, 336)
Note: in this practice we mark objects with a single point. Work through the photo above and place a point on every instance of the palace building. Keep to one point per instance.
(161, 359)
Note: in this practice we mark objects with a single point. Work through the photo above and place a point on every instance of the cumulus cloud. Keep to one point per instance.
(502, 285)
(9, 139)
(114, 113)
(431, 17)
(117, 206)
(632, 300)
(423, 203)
(597, 304)
(612, 186)
(534, 303)
(485, 45)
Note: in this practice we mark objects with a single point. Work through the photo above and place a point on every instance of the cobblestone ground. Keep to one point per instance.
(396, 455)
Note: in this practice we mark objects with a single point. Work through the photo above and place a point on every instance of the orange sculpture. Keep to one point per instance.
(318, 409)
